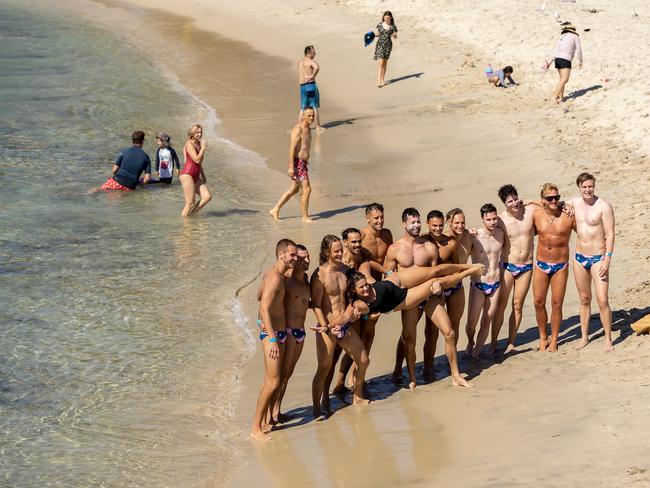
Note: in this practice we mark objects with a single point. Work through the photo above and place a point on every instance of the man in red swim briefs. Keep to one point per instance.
(298, 170)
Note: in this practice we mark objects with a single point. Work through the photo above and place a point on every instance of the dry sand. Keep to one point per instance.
(437, 138)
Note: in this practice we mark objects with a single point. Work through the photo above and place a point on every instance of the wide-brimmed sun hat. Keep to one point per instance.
(569, 28)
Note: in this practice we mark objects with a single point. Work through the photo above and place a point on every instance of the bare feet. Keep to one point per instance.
(552, 346)
(258, 435)
(469, 349)
(275, 213)
(412, 386)
(478, 269)
(460, 381)
(381, 85)
(360, 401)
(266, 427)
(340, 390)
(283, 417)
(609, 347)
(307, 220)
(543, 344)
(510, 348)
(583, 342)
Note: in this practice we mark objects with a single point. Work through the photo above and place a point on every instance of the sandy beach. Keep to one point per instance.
(439, 136)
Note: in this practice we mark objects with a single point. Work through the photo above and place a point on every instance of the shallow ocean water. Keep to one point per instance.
(121, 334)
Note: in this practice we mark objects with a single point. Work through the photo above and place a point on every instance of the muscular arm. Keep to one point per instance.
(266, 300)
(390, 260)
(366, 270)
(317, 299)
(608, 225)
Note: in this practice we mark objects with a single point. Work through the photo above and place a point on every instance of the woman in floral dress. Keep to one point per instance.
(386, 32)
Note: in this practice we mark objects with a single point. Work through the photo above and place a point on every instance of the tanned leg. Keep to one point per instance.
(540, 290)
(522, 284)
(293, 189)
(304, 200)
(507, 284)
(558, 289)
(602, 296)
(353, 346)
(455, 309)
(476, 299)
(436, 311)
(583, 284)
(272, 375)
(429, 349)
(325, 345)
(489, 304)
(410, 319)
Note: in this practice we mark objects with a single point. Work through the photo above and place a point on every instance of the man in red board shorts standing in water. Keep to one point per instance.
(298, 171)
(129, 165)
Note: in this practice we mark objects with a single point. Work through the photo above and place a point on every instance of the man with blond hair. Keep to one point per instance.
(551, 268)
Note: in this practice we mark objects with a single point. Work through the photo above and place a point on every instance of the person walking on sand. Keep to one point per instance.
(272, 324)
(553, 228)
(308, 68)
(299, 149)
(567, 48)
(192, 175)
(594, 220)
(386, 32)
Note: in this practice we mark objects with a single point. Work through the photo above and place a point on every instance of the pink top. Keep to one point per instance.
(568, 46)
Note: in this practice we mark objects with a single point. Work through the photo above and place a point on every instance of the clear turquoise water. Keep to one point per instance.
(121, 337)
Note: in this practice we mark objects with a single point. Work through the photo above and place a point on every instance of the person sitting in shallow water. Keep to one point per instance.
(500, 76)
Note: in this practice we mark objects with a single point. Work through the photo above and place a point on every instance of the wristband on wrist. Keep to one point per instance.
(609, 254)
(273, 339)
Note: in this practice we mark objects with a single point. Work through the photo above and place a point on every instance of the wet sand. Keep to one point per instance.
(424, 141)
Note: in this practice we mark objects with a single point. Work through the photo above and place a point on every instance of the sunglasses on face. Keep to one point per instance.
(552, 198)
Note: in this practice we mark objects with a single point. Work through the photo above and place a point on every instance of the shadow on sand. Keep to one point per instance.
(405, 77)
(580, 93)
(382, 387)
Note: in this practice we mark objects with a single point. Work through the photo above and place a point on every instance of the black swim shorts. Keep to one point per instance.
(561, 63)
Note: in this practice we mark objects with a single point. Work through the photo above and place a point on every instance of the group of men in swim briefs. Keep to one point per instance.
(365, 273)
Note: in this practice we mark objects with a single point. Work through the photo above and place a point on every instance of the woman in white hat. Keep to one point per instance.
(567, 48)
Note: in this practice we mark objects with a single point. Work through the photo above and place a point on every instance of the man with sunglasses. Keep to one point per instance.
(553, 227)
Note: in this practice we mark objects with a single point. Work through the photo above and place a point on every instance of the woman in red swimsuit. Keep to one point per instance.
(192, 176)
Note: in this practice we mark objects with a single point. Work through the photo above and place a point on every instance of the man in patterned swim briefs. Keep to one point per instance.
(298, 171)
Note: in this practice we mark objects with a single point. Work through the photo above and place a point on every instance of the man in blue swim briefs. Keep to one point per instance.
(517, 262)
(551, 267)
(272, 325)
(484, 291)
(594, 247)
(297, 297)
(309, 96)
